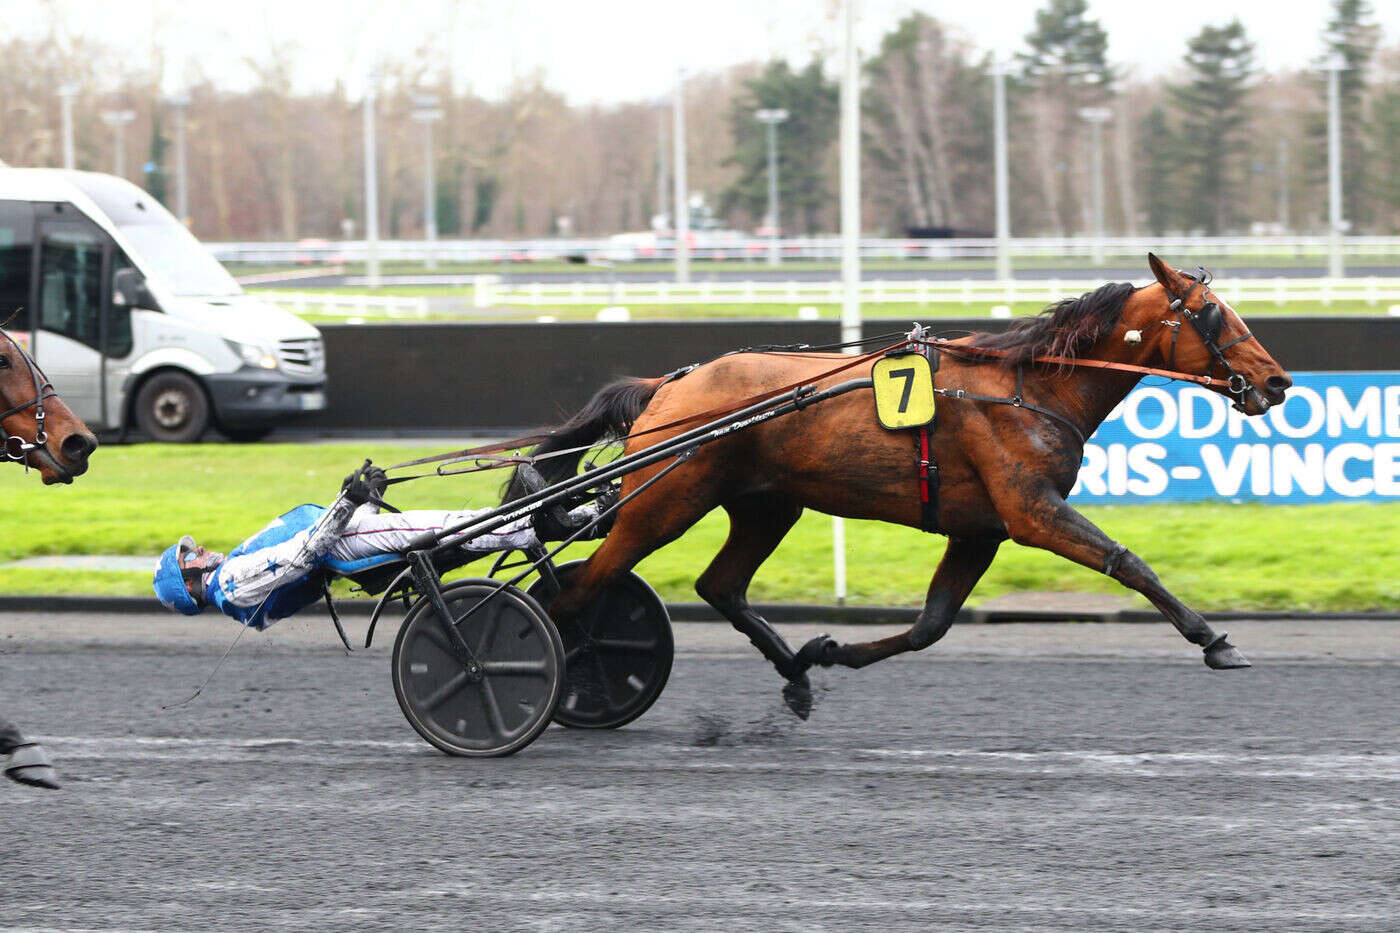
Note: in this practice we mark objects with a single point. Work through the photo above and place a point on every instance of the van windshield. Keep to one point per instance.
(163, 244)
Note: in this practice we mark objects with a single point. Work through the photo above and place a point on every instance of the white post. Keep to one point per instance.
(180, 104)
(66, 93)
(427, 112)
(371, 184)
(771, 119)
(850, 233)
(117, 120)
(1334, 67)
(1003, 207)
(681, 223)
(1096, 117)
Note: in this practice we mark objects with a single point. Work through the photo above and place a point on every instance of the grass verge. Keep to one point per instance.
(139, 498)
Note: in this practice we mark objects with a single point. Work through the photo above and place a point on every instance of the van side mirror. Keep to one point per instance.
(129, 291)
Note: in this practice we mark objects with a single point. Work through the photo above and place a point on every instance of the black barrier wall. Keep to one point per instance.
(484, 377)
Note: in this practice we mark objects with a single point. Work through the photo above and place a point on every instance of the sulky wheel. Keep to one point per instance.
(510, 702)
(618, 652)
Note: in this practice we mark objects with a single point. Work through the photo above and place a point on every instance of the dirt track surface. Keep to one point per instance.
(1029, 776)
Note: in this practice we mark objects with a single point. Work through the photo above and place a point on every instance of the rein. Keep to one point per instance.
(486, 451)
(16, 447)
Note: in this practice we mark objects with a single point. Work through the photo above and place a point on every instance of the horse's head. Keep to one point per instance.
(1184, 326)
(37, 429)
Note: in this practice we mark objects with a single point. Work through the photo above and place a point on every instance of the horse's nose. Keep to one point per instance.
(77, 447)
(1275, 386)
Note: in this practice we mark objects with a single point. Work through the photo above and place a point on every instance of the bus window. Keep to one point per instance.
(16, 241)
(70, 282)
(119, 341)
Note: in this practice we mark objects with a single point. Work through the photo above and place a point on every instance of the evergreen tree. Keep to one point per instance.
(1384, 190)
(1352, 35)
(805, 140)
(1067, 46)
(1066, 67)
(1159, 169)
(1211, 109)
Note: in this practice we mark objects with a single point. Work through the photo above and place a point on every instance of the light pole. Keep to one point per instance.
(1003, 207)
(850, 234)
(660, 160)
(1334, 66)
(771, 118)
(682, 196)
(66, 93)
(118, 120)
(427, 112)
(371, 184)
(1096, 117)
(180, 104)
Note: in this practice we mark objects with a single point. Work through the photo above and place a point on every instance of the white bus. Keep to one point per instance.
(135, 322)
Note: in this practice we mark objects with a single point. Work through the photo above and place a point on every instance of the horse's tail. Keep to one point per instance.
(609, 413)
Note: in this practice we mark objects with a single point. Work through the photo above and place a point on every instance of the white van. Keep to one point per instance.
(135, 323)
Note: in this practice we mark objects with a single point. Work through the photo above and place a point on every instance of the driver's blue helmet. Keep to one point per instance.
(170, 581)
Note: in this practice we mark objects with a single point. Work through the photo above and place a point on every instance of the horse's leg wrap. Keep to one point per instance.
(1110, 564)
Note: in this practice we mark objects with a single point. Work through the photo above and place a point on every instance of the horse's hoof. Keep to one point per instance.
(817, 651)
(1223, 656)
(30, 765)
(797, 694)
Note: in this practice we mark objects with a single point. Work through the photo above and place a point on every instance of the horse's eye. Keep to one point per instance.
(4, 361)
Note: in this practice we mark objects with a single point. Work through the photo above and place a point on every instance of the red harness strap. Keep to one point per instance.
(928, 467)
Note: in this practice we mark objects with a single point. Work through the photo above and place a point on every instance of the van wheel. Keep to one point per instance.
(172, 408)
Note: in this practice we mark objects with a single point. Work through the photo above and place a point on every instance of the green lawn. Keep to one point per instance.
(138, 499)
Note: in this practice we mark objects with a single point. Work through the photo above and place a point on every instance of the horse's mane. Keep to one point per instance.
(1066, 328)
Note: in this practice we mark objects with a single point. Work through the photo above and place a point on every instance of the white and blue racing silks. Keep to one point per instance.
(277, 571)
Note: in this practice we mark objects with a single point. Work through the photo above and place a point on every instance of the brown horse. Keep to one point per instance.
(36, 428)
(1005, 470)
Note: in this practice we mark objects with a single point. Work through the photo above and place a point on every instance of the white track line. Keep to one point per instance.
(784, 758)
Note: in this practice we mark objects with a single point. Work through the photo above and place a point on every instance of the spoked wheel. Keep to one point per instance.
(509, 703)
(618, 653)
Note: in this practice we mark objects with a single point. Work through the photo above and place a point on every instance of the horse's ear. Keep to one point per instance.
(1171, 279)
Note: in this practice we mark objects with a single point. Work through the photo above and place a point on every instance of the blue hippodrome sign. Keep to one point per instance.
(1335, 438)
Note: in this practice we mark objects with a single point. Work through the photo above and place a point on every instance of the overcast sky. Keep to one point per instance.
(620, 50)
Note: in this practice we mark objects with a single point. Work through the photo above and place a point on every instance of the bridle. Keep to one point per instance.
(16, 447)
(1208, 322)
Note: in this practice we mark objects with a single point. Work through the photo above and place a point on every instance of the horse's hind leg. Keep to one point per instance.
(963, 564)
(654, 519)
(756, 525)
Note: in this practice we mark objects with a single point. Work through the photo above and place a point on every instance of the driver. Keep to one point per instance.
(280, 570)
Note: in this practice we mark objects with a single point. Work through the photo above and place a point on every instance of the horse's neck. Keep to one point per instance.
(1098, 391)
(1101, 391)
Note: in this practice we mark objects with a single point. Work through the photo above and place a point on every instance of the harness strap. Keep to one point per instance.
(928, 466)
(1015, 403)
(532, 439)
(967, 349)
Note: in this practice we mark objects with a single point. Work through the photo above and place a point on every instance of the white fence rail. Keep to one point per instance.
(491, 292)
(349, 306)
(733, 246)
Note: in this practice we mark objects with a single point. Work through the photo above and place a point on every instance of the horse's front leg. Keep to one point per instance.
(1041, 518)
(963, 564)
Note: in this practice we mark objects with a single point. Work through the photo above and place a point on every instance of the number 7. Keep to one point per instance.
(908, 376)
